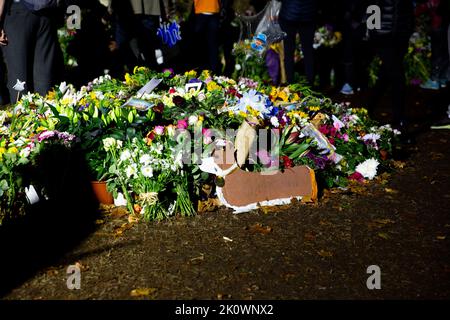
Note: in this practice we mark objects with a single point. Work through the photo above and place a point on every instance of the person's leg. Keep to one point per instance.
(289, 48)
(148, 40)
(46, 56)
(18, 26)
(212, 35)
(200, 42)
(398, 80)
(384, 50)
(307, 31)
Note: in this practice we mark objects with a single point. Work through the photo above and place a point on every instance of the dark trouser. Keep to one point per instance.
(439, 54)
(207, 32)
(355, 57)
(147, 41)
(306, 31)
(32, 50)
(391, 50)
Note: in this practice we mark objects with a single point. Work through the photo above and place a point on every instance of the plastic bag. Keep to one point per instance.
(258, 32)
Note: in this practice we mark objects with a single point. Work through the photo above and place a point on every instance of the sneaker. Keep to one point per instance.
(430, 85)
(443, 83)
(347, 89)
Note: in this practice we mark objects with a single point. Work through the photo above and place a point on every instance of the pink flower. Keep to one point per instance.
(345, 137)
(182, 124)
(207, 135)
(45, 135)
(159, 130)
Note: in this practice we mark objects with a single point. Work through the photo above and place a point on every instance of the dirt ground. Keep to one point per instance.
(400, 222)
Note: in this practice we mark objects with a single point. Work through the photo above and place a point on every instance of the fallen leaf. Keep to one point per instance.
(81, 266)
(118, 231)
(392, 191)
(259, 228)
(441, 237)
(383, 235)
(384, 221)
(133, 218)
(200, 257)
(143, 292)
(119, 212)
(227, 239)
(99, 221)
(399, 164)
(310, 236)
(324, 253)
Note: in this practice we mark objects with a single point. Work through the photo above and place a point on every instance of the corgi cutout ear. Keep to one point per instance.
(245, 138)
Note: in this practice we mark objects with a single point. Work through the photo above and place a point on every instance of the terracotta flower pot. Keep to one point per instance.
(101, 192)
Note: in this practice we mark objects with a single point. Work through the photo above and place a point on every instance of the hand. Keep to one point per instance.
(3, 38)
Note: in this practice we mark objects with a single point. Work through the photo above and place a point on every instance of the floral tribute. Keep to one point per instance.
(148, 134)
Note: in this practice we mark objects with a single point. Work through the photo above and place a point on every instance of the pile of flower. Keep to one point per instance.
(147, 139)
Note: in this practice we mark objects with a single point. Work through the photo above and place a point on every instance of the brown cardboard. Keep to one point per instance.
(243, 188)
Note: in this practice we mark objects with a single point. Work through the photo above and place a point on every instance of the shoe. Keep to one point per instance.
(443, 83)
(347, 89)
(430, 85)
(441, 124)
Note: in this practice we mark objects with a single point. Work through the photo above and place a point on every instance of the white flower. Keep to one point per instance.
(193, 120)
(131, 170)
(24, 153)
(124, 156)
(110, 143)
(63, 87)
(373, 137)
(147, 171)
(19, 86)
(145, 160)
(238, 67)
(368, 169)
(274, 121)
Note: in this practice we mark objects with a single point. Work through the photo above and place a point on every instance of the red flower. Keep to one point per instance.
(356, 177)
(172, 90)
(288, 163)
(324, 129)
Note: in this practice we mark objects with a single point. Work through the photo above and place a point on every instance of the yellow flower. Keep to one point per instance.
(314, 108)
(40, 129)
(212, 86)
(139, 69)
(206, 74)
(295, 97)
(128, 79)
(51, 95)
(191, 74)
(13, 150)
(201, 118)
(283, 96)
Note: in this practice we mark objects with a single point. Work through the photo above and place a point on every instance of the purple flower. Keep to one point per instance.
(320, 162)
